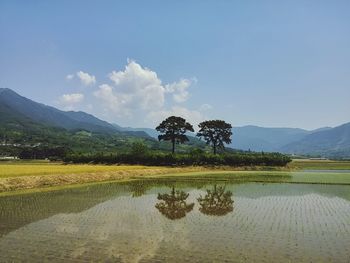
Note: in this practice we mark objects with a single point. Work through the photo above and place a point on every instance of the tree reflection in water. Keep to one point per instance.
(216, 202)
(174, 205)
(138, 188)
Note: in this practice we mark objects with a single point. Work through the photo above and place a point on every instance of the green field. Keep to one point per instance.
(266, 176)
(16, 176)
(320, 165)
(34, 169)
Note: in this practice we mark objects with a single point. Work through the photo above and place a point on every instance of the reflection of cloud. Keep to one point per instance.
(130, 229)
(109, 231)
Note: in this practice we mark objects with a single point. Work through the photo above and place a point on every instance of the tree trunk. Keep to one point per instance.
(173, 149)
(214, 148)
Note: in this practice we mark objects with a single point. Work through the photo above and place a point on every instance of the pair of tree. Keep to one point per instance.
(215, 132)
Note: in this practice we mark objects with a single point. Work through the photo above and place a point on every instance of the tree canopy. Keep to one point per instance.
(174, 129)
(215, 133)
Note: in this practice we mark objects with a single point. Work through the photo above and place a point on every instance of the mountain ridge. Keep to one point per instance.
(326, 143)
(18, 112)
(50, 116)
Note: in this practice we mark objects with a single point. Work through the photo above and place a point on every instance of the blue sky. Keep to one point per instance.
(267, 63)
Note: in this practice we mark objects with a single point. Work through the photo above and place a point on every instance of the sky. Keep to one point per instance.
(266, 63)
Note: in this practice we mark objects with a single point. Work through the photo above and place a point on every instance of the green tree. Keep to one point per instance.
(215, 133)
(173, 129)
(139, 148)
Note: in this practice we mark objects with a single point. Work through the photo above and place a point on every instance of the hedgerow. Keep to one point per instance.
(167, 159)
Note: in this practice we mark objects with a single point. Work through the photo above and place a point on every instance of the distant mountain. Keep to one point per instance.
(30, 129)
(82, 117)
(47, 115)
(192, 139)
(264, 139)
(287, 140)
(326, 142)
(333, 142)
(151, 132)
(321, 129)
(21, 108)
(27, 121)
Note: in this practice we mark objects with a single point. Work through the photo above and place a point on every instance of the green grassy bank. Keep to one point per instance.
(19, 176)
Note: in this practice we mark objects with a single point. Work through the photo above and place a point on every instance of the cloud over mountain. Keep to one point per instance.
(179, 90)
(69, 101)
(140, 87)
(138, 93)
(194, 116)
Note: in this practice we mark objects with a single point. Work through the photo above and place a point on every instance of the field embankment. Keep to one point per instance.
(307, 164)
(28, 176)
(37, 175)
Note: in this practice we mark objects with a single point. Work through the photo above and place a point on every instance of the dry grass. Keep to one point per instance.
(29, 169)
(29, 176)
(320, 165)
(20, 175)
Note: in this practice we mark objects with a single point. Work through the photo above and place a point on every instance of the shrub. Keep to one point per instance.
(197, 158)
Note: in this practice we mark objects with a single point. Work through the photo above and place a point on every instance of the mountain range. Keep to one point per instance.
(323, 142)
(18, 113)
(22, 109)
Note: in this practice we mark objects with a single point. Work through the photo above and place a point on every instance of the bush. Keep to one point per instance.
(43, 152)
(139, 148)
(193, 158)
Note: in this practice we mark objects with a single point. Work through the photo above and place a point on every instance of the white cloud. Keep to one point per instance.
(117, 104)
(193, 116)
(69, 101)
(85, 78)
(136, 90)
(180, 90)
(205, 107)
(69, 77)
(141, 85)
(72, 98)
(138, 97)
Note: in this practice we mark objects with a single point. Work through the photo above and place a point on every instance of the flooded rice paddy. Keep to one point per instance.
(189, 221)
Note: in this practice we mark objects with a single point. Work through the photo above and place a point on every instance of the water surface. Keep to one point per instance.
(327, 171)
(155, 221)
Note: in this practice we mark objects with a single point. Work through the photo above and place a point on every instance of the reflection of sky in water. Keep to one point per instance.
(271, 222)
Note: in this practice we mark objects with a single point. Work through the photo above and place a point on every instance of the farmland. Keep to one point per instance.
(41, 174)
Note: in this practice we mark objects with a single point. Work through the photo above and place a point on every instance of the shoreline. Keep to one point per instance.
(17, 178)
(26, 182)
(204, 175)
(22, 176)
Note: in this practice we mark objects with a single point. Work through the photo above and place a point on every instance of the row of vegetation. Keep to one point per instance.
(181, 159)
(214, 132)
